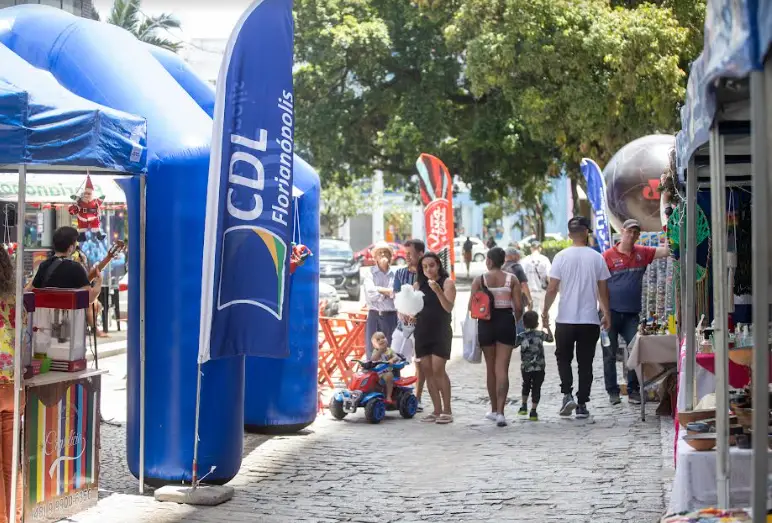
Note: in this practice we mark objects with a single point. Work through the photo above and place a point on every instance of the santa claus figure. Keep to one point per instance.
(87, 208)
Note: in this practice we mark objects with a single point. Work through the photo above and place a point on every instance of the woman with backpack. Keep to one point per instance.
(496, 303)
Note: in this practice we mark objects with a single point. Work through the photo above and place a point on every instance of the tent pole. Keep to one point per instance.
(720, 313)
(18, 374)
(142, 298)
(690, 258)
(761, 81)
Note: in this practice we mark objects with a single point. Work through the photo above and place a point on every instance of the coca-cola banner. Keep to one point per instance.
(437, 195)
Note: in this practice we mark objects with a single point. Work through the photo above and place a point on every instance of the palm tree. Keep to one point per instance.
(128, 15)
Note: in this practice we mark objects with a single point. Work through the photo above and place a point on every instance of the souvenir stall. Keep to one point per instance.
(44, 128)
(722, 442)
(653, 352)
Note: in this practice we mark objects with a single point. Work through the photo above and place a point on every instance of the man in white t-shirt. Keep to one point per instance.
(580, 274)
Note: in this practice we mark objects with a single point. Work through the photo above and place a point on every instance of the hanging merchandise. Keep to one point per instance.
(298, 256)
(299, 252)
(675, 221)
(743, 278)
(87, 209)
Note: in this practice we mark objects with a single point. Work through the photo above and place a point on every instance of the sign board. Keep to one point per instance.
(58, 188)
(61, 451)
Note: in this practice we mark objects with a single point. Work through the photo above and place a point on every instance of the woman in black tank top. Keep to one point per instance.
(433, 333)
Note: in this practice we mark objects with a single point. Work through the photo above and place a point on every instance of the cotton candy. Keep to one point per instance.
(409, 301)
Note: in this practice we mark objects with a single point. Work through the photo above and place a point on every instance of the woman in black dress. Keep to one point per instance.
(433, 334)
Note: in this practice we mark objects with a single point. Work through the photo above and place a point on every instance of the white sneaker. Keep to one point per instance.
(492, 416)
(501, 421)
(419, 407)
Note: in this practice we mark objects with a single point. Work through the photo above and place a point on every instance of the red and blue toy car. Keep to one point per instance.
(368, 391)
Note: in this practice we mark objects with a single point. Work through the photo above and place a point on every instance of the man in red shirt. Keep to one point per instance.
(627, 263)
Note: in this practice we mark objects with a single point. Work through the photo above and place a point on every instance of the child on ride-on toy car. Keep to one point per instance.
(382, 353)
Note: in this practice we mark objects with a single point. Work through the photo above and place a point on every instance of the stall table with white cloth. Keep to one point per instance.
(694, 484)
(653, 357)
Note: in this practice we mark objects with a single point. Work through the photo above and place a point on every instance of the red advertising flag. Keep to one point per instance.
(437, 195)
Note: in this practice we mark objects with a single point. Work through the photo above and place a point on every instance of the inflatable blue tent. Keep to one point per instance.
(91, 59)
(280, 394)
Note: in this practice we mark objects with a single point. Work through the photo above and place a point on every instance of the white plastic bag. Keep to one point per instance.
(402, 344)
(472, 350)
(409, 301)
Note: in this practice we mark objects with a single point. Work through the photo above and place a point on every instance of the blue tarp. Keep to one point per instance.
(733, 29)
(41, 122)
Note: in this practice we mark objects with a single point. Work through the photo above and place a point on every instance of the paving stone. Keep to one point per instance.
(610, 468)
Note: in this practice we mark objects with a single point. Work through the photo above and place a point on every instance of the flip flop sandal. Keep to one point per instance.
(444, 419)
(430, 418)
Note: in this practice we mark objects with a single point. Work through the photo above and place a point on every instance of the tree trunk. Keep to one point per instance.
(574, 194)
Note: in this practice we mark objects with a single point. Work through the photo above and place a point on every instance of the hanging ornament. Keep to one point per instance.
(87, 209)
(298, 256)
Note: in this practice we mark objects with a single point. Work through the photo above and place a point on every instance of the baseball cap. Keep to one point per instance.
(577, 223)
(631, 224)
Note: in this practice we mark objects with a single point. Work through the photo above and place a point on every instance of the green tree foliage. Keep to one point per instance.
(128, 15)
(377, 85)
(339, 203)
(584, 76)
(506, 92)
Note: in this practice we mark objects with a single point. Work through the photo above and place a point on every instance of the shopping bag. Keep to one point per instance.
(472, 350)
(402, 344)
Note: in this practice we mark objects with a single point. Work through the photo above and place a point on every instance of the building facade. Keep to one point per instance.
(82, 8)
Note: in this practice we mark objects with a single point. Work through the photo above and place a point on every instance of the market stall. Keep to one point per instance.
(45, 128)
(722, 159)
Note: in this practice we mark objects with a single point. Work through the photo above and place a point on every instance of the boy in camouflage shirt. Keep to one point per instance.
(531, 343)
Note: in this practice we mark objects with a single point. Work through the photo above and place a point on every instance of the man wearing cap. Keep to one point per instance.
(580, 274)
(379, 296)
(537, 269)
(512, 265)
(627, 264)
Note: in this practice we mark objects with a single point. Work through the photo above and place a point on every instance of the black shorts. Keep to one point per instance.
(501, 328)
(437, 343)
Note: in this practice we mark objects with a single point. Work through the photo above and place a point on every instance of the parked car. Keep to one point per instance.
(479, 250)
(365, 256)
(339, 268)
(329, 300)
(528, 240)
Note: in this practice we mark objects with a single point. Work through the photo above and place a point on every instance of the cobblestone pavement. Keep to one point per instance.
(608, 469)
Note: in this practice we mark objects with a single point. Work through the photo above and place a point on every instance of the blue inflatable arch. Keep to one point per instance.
(280, 395)
(91, 59)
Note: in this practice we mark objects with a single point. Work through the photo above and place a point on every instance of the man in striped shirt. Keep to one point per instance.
(414, 249)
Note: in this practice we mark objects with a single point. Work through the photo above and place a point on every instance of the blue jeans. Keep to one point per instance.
(626, 325)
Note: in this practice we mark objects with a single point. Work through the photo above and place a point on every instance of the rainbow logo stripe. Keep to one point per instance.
(278, 250)
(61, 441)
(256, 260)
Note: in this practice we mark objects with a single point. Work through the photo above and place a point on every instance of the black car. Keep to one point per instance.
(337, 267)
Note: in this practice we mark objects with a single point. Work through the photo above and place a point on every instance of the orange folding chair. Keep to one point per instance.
(342, 340)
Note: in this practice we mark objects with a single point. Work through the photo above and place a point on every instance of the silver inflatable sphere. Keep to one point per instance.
(632, 177)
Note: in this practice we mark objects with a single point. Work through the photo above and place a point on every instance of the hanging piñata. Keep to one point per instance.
(87, 209)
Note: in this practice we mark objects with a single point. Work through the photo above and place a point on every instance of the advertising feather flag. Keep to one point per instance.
(437, 196)
(249, 213)
(596, 193)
